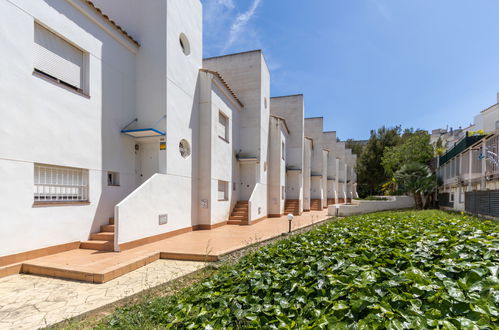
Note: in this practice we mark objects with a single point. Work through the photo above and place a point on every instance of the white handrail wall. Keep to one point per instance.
(137, 216)
(257, 203)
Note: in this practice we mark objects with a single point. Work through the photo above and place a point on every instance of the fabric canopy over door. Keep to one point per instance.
(57, 58)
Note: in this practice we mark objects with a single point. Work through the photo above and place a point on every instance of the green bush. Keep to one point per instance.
(391, 270)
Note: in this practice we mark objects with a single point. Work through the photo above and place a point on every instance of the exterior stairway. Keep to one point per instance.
(315, 205)
(102, 241)
(292, 206)
(239, 214)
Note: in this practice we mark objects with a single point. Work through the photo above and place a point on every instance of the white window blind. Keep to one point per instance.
(57, 58)
(223, 124)
(60, 184)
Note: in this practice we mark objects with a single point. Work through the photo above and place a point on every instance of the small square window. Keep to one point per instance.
(283, 151)
(223, 126)
(451, 197)
(223, 190)
(113, 179)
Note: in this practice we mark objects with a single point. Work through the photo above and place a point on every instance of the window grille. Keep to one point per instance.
(492, 155)
(465, 163)
(60, 184)
(476, 162)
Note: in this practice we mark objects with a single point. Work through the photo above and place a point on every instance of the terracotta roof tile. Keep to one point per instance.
(113, 23)
(219, 76)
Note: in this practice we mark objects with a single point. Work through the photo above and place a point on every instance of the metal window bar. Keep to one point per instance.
(492, 155)
(60, 184)
(465, 163)
(476, 162)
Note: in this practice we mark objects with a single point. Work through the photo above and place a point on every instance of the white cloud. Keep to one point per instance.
(226, 3)
(240, 22)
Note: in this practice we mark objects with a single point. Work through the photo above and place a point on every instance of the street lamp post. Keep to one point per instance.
(290, 219)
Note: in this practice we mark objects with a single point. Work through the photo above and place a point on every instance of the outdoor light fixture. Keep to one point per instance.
(290, 218)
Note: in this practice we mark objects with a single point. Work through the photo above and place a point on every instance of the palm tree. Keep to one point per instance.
(417, 180)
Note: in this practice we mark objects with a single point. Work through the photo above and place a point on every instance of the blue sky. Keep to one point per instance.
(366, 63)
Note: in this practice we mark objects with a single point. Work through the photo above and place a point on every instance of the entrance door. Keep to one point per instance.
(247, 183)
(147, 161)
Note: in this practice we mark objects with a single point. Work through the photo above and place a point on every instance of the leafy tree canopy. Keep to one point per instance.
(414, 148)
(370, 172)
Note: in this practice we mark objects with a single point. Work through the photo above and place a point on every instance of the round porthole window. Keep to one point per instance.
(184, 148)
(184, 44)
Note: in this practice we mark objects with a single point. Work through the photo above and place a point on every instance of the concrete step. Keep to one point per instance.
(235, 222)
(102, 236)
(97, 245)
(238, 217)
(107, 228)
(240, 212)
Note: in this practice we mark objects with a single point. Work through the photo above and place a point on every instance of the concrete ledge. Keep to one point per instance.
(363, 206)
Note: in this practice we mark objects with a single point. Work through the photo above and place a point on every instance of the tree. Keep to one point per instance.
(370, 172)
(356, 146)
(415, 148)
(417, 180)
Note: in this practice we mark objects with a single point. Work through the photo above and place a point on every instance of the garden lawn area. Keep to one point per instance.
(393, 270)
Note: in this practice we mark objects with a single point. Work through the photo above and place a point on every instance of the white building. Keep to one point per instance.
(291, 109)
(468, 171)
(113, 136)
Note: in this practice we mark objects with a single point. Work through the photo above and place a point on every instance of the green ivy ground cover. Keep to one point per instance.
(391, 270)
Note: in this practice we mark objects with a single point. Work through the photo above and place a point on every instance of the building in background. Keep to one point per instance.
(468, 171)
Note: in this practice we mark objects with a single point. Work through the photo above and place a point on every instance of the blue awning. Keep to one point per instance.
(142, 132)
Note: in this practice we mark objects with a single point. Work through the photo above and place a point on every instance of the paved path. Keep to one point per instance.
(201, 245)
(31, 302)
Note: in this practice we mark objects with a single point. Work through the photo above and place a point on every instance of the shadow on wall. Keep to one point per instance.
(116, 100)
(195, 150)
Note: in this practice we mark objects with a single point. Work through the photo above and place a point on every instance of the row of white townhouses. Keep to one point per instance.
(468, 172)
(110, 113)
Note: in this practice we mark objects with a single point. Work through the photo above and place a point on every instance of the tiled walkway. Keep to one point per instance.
(31, 302)
(202, 245)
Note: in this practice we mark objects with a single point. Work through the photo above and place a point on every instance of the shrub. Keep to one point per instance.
(391, 270)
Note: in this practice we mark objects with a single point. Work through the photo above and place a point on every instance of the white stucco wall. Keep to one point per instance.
(277, 166)
(217, 155)
(361, 207)
(43, 122)
(329, 140)
(307, 159)
(314, 129)
(249, 77)
(291, 108)
(340, 152)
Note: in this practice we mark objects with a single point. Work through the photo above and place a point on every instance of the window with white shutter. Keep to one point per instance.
(223, 126)
(58, 59)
